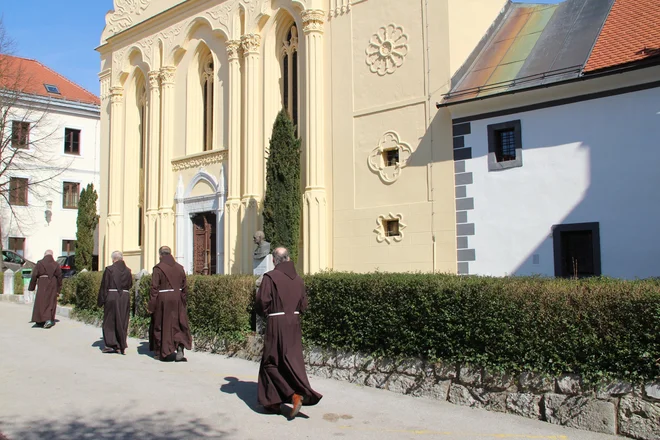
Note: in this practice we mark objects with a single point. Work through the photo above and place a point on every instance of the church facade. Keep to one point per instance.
(190, 90)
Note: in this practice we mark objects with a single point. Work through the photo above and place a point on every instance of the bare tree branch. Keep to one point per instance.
(26, 138)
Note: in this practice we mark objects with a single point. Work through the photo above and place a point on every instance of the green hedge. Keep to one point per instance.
(598, 327)
(219, 307)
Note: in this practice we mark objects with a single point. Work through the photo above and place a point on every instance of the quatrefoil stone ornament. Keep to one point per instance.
(377, 162)
(387, 49)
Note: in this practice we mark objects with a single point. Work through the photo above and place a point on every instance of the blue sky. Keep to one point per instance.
(62, 34)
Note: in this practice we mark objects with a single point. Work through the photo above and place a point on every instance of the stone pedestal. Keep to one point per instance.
(260, 267)
(8, 287)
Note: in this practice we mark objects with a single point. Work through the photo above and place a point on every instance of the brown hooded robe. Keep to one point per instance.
(281, 299)
(167, 305)
(47, 278)
(115, 298)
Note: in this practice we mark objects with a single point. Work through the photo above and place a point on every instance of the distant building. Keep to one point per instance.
(51, 136)
(556, 129)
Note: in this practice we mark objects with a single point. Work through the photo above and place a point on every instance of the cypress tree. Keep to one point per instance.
(282, 204)
(86, 225)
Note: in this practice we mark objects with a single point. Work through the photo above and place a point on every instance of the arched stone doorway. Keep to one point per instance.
(200, 223)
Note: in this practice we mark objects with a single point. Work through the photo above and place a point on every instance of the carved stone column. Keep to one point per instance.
(232, 226)
(114, 231)
(166, 213)
(150, 244)
(253, 154)
(315, 229)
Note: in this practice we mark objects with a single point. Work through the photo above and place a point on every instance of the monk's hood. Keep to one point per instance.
(287, 268)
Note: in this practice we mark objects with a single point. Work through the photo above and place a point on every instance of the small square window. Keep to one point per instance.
(18, 191)
(68, 247)
(17, 245)
(392, 228)
(505, 149)
(391, 157)
(70, 195)
(20, 134)
(50, 88)
(71, 141)
(504, 146)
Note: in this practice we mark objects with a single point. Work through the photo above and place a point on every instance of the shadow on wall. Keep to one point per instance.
(617, 135)
(114, 425)
(591, 161)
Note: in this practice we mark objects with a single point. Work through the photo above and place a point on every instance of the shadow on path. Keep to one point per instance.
(143, 349)
(109, 426)
(247, 392)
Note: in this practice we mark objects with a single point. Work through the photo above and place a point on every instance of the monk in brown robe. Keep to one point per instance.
(169, 332)
(281, 299)
(47, 277)
(115, 298)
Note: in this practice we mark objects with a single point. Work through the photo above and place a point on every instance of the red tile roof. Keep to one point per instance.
(631, 33)
(30, 76)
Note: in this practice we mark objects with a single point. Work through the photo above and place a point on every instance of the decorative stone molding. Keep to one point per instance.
(389, 141)
(154, 79)
(382, 232)
(121, 19)
(167, 75)
(313, 20)
(198, 160)
(221, 12)
(387, 50)
(116, 94)
(105, 79)
(339, 7)
(233, 47)
(250, 43)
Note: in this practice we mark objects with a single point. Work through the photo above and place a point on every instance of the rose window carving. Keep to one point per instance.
(387, 49)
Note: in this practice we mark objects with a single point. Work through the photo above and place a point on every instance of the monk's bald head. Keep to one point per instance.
(48, 252)
(164, 250)
(280, 255)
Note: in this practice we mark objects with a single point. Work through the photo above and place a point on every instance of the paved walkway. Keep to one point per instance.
(56, 385)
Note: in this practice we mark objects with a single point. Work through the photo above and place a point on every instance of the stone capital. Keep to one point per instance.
(154, 79)
(167, 75)
(233, 47)
(313, 20)
(250, 43)
(116, 94)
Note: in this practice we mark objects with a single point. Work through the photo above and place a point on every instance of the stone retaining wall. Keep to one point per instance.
(613, 408)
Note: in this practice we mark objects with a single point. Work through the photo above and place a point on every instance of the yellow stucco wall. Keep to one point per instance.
(370, 74)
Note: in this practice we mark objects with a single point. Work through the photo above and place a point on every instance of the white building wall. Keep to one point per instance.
(30, 221)
(590, 161)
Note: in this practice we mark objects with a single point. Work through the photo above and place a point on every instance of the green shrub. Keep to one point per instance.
(596, 327)
(87, 291)
(218, 306)
(18, 283)
(68, 291)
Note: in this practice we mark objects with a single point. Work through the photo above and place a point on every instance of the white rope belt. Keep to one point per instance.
(43, 276)
(167, 290)
(115, 290)
(281, 313)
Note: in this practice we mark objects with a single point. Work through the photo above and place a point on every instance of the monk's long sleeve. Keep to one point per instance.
(264, 297)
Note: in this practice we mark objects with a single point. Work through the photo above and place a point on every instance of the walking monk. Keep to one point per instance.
(115, 298)
(169, 332)
(47, 276)
(281, 299)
